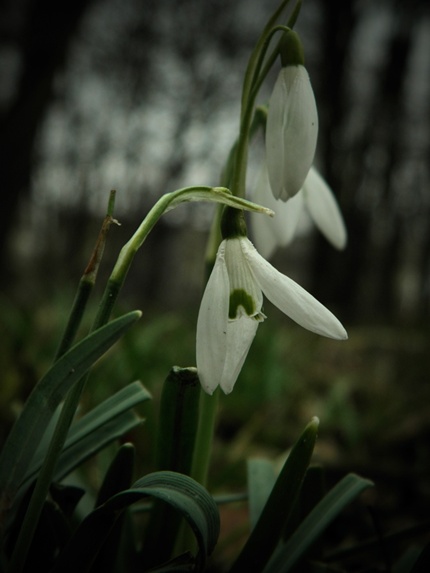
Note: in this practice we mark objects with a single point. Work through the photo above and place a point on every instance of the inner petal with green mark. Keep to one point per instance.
(242, 303)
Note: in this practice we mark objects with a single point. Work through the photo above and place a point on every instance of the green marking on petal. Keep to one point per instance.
(239, 297)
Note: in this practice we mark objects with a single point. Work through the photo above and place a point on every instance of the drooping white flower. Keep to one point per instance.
(315, 199)
(231, 309)
(291, 131)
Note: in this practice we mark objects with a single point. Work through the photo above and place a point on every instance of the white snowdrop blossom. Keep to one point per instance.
(231, 310)
(291, 131)
(315, 200)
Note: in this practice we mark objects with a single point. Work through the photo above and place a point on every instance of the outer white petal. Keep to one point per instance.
(262, 231)
(240, 334)
(212, 326)
(287, 218)
(270, 232)
(291, 131)
(292, 299)
(324, 209)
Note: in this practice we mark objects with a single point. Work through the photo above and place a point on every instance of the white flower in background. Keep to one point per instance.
(315, 199)
(291, 131)
(231, 309)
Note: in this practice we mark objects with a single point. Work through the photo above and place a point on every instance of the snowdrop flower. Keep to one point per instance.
(315, 199)
(231, 310)
(292, 124)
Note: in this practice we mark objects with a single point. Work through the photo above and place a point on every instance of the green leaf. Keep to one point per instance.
(177, 429)
(261, 478)
(105, 423)
(118, 477)
(422, 564)
(287, 555)
(281, 502)
(181, 564)
(29, 428)
(180, 491)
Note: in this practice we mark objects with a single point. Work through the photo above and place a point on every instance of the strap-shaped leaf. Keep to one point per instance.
(29, 428)
(261, 478)
(287, 555)
(105, 423)
(180, 491)
(177, 429)
(118, 477)
(267, 531)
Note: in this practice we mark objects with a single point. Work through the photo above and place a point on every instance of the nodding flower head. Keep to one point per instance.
(231, 310)
(292, 125)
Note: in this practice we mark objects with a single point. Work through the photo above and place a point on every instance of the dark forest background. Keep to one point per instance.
(142, 96)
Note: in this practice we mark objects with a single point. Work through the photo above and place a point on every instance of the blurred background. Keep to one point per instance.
(142, 96)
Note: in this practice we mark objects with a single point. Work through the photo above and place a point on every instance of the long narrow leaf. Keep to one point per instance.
(103, 424)
(180, 491)
(287, 555)
(279, 506)
(29, 428)
(177, 429)
(118, 477)
(261, 478)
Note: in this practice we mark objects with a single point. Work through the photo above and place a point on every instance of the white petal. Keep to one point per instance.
(240, 334)
(288, 215)
(262, 229)
(324, 209)
(212, 325)
(240, 276)
(291, 131)
(263, 236)
(292, 299)
(270, 232)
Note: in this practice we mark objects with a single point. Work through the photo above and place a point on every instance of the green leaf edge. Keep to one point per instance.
(286, 556)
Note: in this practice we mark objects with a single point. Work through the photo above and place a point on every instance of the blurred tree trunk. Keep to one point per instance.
(362, 281)
(334, 275)
(42, 45)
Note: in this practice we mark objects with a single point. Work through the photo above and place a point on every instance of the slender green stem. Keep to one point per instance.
(204, 440)
(82, 296)
(87, 282)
